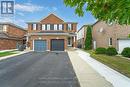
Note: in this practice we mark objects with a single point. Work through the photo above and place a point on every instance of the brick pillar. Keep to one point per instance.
(65, 28)
(74, 41)
(65, 45)
(49, 45)
(29, 27)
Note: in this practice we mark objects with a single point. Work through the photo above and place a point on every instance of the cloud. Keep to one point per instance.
(28, 7)
(20, 13)
(18, 21)
(54, 8)
(6, 19)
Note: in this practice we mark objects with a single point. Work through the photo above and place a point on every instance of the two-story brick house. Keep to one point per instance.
(115, 35)
(11, 36)
(51, 34)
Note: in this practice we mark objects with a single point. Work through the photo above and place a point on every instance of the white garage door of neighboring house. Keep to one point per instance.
(123, 44)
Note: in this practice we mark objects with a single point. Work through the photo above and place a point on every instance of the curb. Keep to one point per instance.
(6, 57)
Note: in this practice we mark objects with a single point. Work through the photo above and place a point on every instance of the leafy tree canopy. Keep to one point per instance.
(107, 10)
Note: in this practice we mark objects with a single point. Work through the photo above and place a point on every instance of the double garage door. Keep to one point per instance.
(55, 45)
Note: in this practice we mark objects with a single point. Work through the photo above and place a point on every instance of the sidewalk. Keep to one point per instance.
(87, 76)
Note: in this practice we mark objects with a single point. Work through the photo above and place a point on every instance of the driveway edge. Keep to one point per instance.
(6, 57)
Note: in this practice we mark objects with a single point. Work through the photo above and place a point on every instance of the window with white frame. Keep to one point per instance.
(43, 26)
(4, 28)
(48, 26)
(34, 26)
(55, 27)
(60, 26)
(110, 41)
(69, 27)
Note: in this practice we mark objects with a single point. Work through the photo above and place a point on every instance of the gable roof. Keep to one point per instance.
(96, 22)
(11, 24)
(50, 17)
(82, 27)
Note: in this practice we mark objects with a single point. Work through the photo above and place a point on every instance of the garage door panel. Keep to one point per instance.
(57, 45)
(40, 45)
(123, 44)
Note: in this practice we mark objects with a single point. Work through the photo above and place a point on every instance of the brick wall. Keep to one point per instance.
(14, 31)
(114, 31)
(6, 44)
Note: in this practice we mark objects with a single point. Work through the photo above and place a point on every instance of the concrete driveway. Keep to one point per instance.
(38, 70)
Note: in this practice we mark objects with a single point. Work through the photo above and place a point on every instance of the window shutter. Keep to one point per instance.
(31, 26)
(62, 26)
(45, 26)
(71, 26)
(57, 26)
(66, 26)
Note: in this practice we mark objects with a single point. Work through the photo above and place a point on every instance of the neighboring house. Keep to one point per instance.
(81, 35)
(11, 36)
(105, 35)
(51, 34)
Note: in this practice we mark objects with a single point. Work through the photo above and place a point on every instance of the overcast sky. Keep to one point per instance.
(35, 10)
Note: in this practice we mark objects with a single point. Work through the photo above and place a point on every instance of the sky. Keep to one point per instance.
(35, 10)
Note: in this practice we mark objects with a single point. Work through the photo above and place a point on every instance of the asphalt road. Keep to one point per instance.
(38, 70)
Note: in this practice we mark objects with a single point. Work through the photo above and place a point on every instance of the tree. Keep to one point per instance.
(107, 10)
(88, 40)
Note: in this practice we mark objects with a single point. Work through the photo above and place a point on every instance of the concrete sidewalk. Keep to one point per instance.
(87, 76)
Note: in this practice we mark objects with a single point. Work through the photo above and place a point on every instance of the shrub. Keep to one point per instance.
(111, 51)
(126, 52)
(88, 40)
(100, 50)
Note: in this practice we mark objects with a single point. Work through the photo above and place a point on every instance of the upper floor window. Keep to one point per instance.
(55, 27)
(48, 26)
(60, 26)
(34, 26)
(43, 26)
(69, 26)
(110, 41)
(3, 28)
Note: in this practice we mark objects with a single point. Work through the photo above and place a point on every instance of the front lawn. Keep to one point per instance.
(2, 54)
(118, 63)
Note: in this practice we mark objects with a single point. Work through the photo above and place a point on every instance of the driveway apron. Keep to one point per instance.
(52, 69)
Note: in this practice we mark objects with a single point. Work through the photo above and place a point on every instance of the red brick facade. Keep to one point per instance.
(51, 19)
(103, 31)
(11, 37)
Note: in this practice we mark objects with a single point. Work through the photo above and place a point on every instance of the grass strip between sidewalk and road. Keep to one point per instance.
(2, 54)
(117, 63)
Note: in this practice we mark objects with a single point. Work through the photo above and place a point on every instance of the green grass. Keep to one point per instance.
(117, 63)
(2, 54)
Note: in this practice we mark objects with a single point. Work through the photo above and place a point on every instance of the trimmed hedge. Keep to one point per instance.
(111, 51)
(126, 52)
(100, 50)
